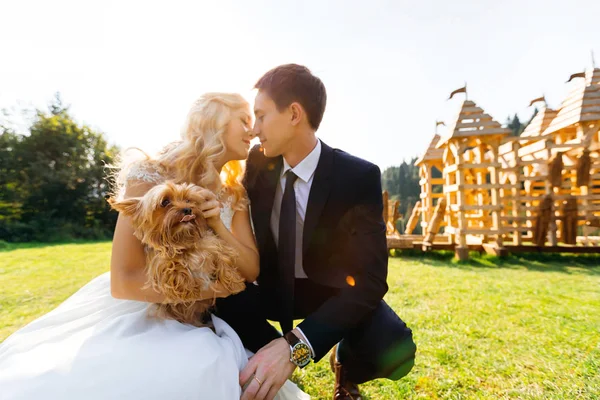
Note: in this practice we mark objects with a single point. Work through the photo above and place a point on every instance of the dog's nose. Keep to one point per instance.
(187, 211)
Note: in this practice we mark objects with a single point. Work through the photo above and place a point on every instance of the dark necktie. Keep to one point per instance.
(287, 251)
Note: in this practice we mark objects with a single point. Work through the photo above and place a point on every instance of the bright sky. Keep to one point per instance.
(132, 69)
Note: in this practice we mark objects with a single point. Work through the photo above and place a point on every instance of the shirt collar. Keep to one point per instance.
(307, 167)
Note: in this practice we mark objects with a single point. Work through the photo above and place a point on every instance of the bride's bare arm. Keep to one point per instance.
(242, 231)
(128, 260)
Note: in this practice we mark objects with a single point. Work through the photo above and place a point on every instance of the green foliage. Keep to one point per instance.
(52, 184)
(516, 125)
(402, 183)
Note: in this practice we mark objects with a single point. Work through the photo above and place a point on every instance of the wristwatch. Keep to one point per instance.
(300, 352)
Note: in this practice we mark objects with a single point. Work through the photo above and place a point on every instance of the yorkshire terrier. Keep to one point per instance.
(184, 256)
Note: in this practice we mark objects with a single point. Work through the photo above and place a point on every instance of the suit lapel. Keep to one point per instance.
(319, 192)
(267, 184)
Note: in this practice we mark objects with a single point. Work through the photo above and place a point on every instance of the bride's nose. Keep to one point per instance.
(249, 131)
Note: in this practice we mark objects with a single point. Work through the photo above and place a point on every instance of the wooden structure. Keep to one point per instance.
(471, 178)
(524, 162)
(536, 192)
(576, 133)
(558, 155)
(434, 225)
(431, 188)
(391, 214)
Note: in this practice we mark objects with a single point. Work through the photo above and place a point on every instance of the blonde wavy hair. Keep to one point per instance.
(193, 158)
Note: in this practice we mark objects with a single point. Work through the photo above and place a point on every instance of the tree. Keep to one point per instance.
(55, 178)
(9, 195)
(402, 183)
(515, 125)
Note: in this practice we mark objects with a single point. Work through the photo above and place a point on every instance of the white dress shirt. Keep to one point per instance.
(305, 171)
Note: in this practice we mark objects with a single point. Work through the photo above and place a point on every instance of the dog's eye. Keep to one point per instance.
(187, 201)
(165, 202)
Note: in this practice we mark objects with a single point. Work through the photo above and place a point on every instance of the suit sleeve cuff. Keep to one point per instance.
(305, 339)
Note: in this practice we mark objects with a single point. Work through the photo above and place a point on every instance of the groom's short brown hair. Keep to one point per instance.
(295, 83)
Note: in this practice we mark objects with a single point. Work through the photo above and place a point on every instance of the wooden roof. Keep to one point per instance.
(581, 105)
(540, 122)
(472, 121)
(432, 152)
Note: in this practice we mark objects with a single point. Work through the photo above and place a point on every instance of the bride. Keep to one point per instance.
(103, 342)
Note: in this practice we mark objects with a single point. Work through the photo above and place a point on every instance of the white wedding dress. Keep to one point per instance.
(94, 346)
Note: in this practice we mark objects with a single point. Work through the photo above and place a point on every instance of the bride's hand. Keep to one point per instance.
(267, 371)
(211, 208)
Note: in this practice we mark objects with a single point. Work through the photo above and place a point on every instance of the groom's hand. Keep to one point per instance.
(268, 370)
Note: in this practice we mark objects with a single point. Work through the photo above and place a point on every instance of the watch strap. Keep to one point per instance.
(291, 338)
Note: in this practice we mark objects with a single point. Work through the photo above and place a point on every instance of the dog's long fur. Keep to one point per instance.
(184, 256)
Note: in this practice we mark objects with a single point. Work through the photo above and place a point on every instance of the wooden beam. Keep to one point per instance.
(432, 181)
(517, 218)
(458, 207)
(553, 249)
(479, 231)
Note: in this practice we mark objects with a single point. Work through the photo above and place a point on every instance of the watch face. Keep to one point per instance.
(301, 354)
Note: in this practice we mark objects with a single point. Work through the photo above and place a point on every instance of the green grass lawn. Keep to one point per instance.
(516, 328)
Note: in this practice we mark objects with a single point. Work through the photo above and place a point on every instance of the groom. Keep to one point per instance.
(317, 215)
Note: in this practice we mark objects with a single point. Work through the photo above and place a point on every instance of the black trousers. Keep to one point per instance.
(379, 346)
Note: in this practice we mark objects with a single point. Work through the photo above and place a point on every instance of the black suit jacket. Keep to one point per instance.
(344, 242)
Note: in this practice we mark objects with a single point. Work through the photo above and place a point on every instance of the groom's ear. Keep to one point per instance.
(297, 112)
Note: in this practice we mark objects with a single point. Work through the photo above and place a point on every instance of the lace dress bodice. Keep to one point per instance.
(227, 212)
(143, 171)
